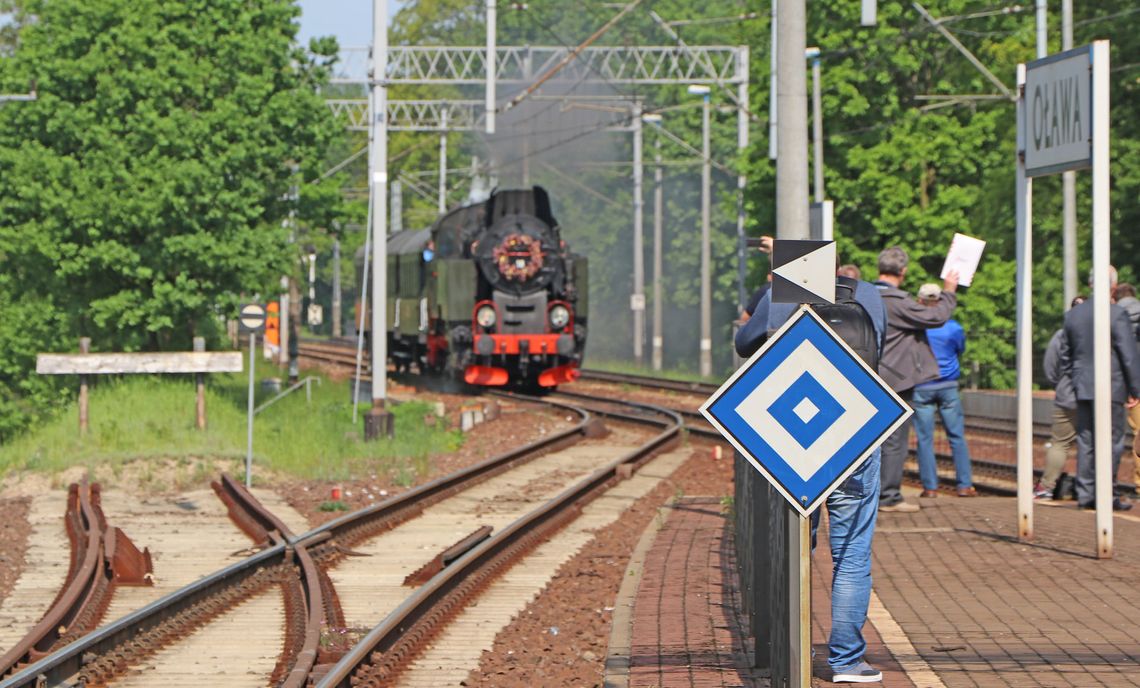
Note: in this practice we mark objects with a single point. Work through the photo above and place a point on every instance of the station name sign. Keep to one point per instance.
(1058, 113)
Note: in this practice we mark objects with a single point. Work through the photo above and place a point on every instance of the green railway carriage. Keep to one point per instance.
(490, 293)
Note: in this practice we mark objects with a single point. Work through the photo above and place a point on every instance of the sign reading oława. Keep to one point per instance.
(1058, 113)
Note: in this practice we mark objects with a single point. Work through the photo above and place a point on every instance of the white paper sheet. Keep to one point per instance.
(964, 256)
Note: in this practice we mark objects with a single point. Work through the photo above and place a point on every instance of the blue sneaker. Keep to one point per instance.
(860, 672)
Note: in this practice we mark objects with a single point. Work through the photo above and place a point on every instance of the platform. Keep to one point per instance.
(958, 601)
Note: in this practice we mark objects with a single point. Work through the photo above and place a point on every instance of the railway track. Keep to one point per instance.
(300, 564)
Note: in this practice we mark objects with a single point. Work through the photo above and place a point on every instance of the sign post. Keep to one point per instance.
(806, 412)
(1062, 125)
(252, 321)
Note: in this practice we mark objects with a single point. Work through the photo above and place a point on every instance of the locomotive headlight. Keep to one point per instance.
(559, 317)
(485, 316)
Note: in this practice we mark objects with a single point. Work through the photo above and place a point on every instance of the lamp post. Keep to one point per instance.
(816, 123)
(706, 250)
(658, 202)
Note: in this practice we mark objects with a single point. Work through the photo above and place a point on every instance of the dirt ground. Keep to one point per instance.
(561, 638)
(14, 532)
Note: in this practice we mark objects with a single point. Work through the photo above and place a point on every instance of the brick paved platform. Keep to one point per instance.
(958, 601)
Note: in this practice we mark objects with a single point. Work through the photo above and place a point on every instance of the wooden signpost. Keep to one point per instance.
(197, 362)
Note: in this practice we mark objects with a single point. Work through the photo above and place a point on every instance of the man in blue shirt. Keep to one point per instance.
(941, 396)
(852, 508)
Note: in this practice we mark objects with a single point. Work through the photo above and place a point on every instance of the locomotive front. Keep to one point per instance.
(528, 322)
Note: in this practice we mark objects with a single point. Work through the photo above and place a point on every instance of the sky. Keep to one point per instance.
(349, 20)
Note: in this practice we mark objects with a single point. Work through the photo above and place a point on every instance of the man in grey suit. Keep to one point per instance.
(1125, 388)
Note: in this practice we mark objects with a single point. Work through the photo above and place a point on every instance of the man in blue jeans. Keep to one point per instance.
(852, 509)
(941, 396)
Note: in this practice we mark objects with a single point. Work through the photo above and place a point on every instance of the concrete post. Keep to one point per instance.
(200, 383)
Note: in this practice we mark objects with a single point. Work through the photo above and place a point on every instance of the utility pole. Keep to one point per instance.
(792, 223)
(741, 181)
(443, 162)
(378, 423)
(1068, 186)
(492, 70)
(773, 61)
(637, 302)
(658, 296)
(816, 124)
(336, 295)
(706, 236)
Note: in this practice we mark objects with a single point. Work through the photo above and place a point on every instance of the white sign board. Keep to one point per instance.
(1058, 113)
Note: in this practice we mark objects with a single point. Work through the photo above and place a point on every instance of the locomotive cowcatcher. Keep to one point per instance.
(490, 294)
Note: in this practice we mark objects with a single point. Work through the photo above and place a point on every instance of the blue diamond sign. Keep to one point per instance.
(805, 410)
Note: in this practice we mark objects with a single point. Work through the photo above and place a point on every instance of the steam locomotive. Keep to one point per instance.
(489, 294)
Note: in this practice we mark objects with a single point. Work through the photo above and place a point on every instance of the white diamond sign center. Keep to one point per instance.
(805, 410)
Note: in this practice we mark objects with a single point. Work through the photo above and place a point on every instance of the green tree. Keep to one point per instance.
(146, 190)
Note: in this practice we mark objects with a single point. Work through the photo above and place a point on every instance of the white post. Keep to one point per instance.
(773, 116)
(1102, 343)
(1068, 186)
(378, 161)
(336, 294)
(792, 223)
(817, 127)
(283, 318)
(1042, 29)
(443, 161)
(706, 241)
(1024, 205)
(638, 301)
(249, 416)
(741, 180)
(658, 292)
(489, 103)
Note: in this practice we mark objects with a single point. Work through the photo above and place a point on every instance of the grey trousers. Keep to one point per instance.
(1086, 465)
(1062, 434)
(895, 449)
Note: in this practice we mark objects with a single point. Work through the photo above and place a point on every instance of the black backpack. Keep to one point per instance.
(851, 322)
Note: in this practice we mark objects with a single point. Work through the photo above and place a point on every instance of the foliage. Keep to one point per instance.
(139, 417)
(146, 190)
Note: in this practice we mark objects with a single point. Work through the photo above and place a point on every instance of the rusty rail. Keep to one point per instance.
(101, 654)
(385, 651)
(102, 557)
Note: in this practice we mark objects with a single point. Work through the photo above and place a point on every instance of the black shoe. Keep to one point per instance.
(1118, 504)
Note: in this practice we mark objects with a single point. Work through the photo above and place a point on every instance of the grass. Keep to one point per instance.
(628, 368)
(142, 417)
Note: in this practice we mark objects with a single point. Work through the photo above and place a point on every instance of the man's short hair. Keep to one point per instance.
(1122, 290)
(850, 271)
(892, 261)
(1111, 277)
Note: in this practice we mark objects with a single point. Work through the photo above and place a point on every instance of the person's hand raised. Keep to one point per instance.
(950, 282)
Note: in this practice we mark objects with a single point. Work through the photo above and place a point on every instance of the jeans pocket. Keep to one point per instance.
(854, 485)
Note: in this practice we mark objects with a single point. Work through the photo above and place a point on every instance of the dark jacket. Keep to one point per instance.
(907, 359)
(1057, 371)
(769, 317)
(1125, 362)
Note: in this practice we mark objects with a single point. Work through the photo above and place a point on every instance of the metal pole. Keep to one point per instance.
(773, 63)
(792, 223)
(336, 291)
(741, 181)
(283, 332)
(1042, 28)
(443, 161)
(378, 161)
(363, 310)
(249, 416)
(658, 294)
(489, 103)
(1102, 343)
(1068, 186)
(638, 301)
(706, 248)
(1024, 205)
(817, 128)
